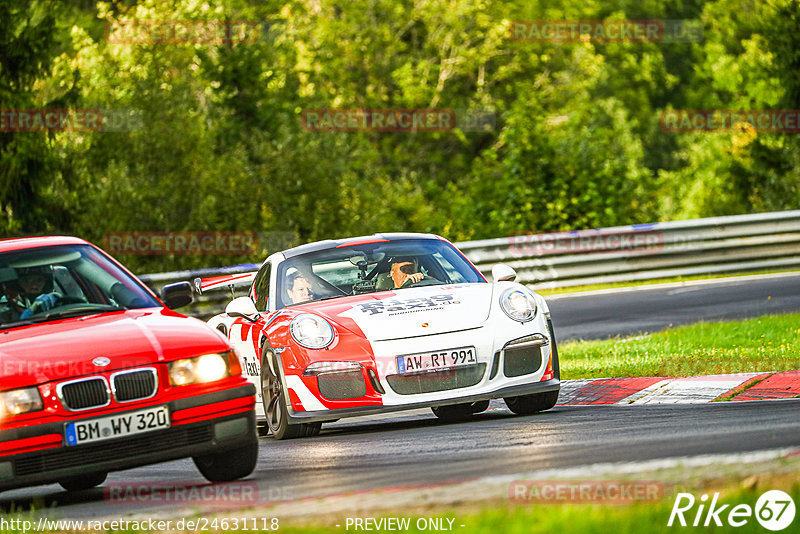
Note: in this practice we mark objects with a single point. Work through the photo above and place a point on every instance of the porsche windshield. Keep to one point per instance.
(49, 283)
(372, 267)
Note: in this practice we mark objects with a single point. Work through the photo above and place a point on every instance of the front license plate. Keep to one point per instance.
(434, 361)
(117, 426)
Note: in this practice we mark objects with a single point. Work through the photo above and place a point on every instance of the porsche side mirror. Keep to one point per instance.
(176, 295)
(503, 273)
(242, 307)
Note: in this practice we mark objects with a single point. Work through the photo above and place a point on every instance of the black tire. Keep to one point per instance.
(530, 404)
(228, 465)
(83, 482)
(454, 413)
(273, 397)
(480, 406)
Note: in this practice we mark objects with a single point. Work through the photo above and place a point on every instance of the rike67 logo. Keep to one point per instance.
(774, 510)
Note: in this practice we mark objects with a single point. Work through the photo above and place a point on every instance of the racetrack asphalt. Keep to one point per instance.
(413, 448)
(603, 314)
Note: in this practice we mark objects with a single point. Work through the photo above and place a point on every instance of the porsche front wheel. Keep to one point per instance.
(273, 397)
(529, 404)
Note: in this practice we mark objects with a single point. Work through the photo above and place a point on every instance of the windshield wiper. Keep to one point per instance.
(65, 314)
(14, 324)
(85, 310)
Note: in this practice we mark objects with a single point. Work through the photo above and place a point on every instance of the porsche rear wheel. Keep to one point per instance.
(530, 404)
(273, 397)
(83, 482)
(454, 413)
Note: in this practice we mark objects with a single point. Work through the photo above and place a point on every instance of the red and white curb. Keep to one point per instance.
(688, 390)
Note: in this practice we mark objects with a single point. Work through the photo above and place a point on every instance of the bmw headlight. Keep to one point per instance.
(311, 331)
(20, 401)
(518, 305)
(202, 369)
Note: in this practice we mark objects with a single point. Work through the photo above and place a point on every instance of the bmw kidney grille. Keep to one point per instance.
(94, 392)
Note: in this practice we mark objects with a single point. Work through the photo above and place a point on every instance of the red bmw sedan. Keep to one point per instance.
(97, 374)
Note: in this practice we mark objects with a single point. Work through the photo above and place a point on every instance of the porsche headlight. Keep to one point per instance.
(312, 331)
(518, 305)
(19, 401)
(201, 369)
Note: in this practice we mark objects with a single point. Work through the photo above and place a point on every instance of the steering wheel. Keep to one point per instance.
(426, 281)
(67, 299)
(48, 301)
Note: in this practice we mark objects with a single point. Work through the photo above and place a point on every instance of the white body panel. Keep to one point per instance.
(470, 317)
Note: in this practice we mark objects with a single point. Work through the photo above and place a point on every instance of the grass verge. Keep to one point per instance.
(545, 518)
(769, 343)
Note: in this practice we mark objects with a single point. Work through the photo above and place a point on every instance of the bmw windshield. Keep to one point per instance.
(48, 283)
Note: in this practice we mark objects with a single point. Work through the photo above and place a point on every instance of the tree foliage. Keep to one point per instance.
(212, 135)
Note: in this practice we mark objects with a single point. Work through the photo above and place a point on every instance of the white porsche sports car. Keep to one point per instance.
(383, 323)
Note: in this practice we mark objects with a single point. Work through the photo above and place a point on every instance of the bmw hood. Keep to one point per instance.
(420, 311)
(93, 344)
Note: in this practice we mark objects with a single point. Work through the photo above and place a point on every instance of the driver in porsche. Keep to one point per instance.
(404, 271)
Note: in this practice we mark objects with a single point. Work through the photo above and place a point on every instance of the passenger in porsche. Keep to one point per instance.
(298, 288)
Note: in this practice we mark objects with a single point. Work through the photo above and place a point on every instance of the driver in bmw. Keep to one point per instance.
(36, 293)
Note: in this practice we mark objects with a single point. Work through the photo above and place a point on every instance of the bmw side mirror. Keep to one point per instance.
(176, 295)
(242, 307)
(503, 273)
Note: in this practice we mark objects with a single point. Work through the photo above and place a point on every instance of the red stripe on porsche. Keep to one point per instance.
(362, 242)
(548, 372)
(294, 400)
(212, 411)
(335, 307)
(778, 386)
(604, 390)
(217, 282)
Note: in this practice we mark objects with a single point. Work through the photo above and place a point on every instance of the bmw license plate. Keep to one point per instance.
(435, 361)
(117, 426)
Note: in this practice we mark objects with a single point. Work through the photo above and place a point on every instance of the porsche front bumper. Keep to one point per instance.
(495, 381)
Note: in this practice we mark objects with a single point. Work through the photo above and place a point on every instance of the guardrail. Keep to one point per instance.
(731, 244)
